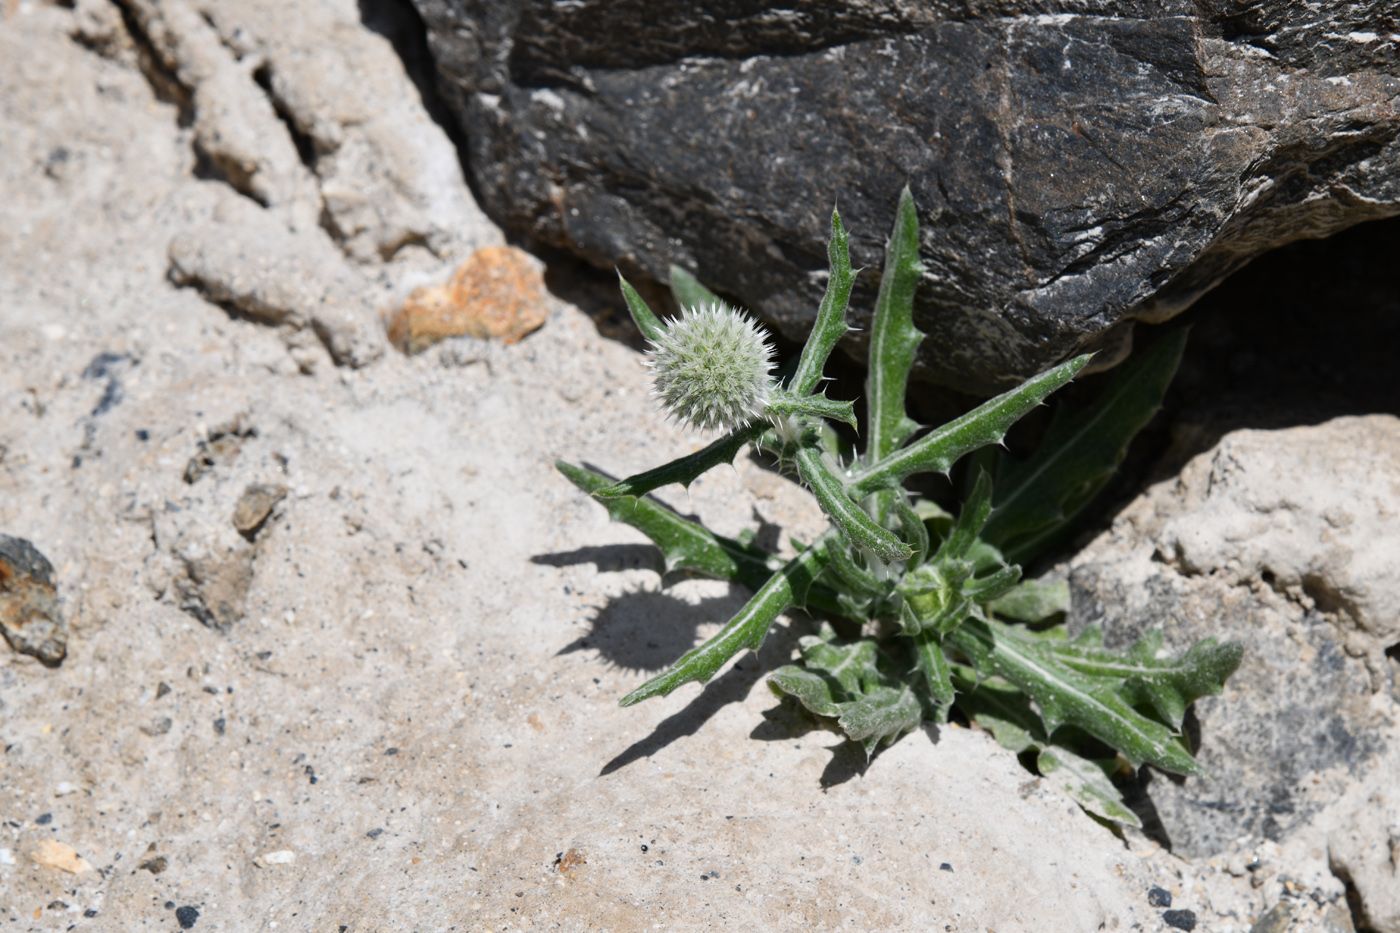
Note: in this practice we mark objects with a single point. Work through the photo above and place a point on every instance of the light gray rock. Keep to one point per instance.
(1285, 540)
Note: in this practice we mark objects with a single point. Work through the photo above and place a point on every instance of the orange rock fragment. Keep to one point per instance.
(497, 292)
(60, 855)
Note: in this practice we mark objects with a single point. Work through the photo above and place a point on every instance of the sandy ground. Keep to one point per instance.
(412, 724)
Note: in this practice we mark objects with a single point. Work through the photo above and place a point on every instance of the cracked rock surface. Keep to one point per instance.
(343, 645)
(1078, 165)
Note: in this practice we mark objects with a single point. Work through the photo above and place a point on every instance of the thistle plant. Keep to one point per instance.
(961, 628)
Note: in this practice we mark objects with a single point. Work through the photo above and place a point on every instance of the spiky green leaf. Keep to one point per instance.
(1080, 453)
(938, 450)
(687, 469)
(830, 325)
(857, 526)
(893, 337)
(647, 322)
(1065, 695)
(783, 403)
(684, 544)
(746, 630)
(881, 716)
(933, 679)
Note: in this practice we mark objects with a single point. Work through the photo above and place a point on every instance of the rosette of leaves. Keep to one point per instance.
(963, 628)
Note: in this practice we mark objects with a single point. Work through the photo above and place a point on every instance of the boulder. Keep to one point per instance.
(1284, 540)
(1078, 166)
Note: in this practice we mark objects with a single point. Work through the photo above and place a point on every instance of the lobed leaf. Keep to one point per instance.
(881, 716)
(1066, 695)
(830, 325)
(746, 630)
(647, 322)
(933, 678)
(937, 451)
(1080, 453)
(1169, 685)
(893, 337)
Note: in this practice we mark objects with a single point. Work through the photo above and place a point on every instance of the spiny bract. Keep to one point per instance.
(711, 368)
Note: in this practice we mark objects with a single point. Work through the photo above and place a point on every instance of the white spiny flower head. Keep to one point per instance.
(711, 368)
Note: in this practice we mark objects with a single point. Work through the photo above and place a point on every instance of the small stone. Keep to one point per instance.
(158, 726)
(186, 916)
(254, 507)
(155, 865)
(90, 913)
(54, 854)
(1276, 920)
(43, 819)
(1180, 919)
(29, 616)
(64, 788)
(497, 292)
(375, 833)
(7, 857)
(162, 689)
(945, 867)
(1159, 897)
(280, 857)
(220, 725)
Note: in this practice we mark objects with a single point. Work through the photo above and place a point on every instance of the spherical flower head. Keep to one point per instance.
(711, 368)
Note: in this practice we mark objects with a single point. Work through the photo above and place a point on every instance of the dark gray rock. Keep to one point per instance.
(1077, 164)
(1284, 540)
(29, 616)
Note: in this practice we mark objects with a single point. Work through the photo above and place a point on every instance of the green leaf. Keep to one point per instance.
(1080, 453)
(1086, 782)
(893, 338)
(881, 716)
(855, 580)
(915, 532)
(746, 630)
(830, 325)
(647, 322)
(851, 681)
(684, 544)
(967, 527)
(857, 526)
(686, 469)
(688, 291)
(933, 679)
(1032, 601)
(1169, 685)
(938, 450)
(820, 406)
(1001, 709)
(1065, 695)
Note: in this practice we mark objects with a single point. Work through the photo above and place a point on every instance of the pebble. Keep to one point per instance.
(280, 857)
(64, 788)
(186, 916)
(54, 854)
(1180, 919)
(1159, 897)
(29, 616)
(7, 857)
(254, 507)
(158, 726)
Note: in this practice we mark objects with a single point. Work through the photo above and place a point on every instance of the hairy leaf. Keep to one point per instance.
(933, 679)
(688, 291)
(857, 526)
(1032, 601)
(647, 322)
(893, 338)
(1065, 695)
(684, 544)
(687, 469)
(881, 716)
(746, 630)
(1169, 685)
(820, 406)
(1086, 782)
(830, 326)
(939, 449)
(1080, 453)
